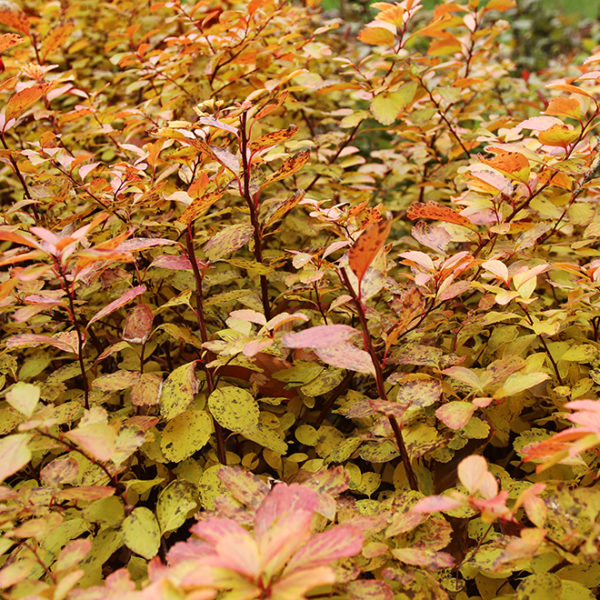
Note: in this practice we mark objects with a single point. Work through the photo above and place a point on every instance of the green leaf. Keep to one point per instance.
(141, 532)
(178, 391)
(234, 408)
(185, 434)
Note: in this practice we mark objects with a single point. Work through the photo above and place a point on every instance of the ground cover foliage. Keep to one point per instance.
(294, 306)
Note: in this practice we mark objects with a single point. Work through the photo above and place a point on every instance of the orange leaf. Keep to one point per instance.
(564, 107)
(24, 99)
(510, 163)
(437, 212)
(56, 39)
(366, 247)
(290, 165)
(8, 40)
(15, 18)
(379, 36)
(199, 207)
(273, 138)
(500, 5)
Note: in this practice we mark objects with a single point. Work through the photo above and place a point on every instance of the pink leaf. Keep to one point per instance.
(539, 123)
(324, 548)
(319, 337)
(295, 585)
(244, 486)
(455, 415)
(135, 244)
(347, 356)
(118, 303)
(369, 589)
(474, 475)
(436, 504)
(67, 341)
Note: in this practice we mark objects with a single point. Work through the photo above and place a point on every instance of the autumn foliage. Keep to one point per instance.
(296, 306)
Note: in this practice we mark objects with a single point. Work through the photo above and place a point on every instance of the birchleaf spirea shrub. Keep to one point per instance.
(294, 306)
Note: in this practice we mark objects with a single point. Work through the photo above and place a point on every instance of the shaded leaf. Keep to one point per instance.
(141, 532)
(118, 303)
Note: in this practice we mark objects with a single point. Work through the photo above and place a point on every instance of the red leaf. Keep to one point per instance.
(366, 247)
(116, 304)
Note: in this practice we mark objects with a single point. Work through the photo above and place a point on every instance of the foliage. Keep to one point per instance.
(294, 307)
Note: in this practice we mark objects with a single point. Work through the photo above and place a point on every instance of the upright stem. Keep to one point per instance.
(80, 339)
(379, 381)
(221, 454)
(258, 255)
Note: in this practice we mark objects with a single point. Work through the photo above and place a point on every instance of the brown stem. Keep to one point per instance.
(221, 454)
(80, 341)
(379, 381)
(546, 349)
(264, 285)
(19, 175)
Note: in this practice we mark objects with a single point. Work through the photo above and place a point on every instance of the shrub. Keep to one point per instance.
(292, 309)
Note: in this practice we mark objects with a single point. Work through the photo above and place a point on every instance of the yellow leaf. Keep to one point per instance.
(178, 391)
(141, 532)
(234, 408)
(24, 99)
(387, 106)
(185, 434)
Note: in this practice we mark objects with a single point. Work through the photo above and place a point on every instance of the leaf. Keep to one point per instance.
(418, 391)
(174, 504)
(119, 380)
(320, 336)
(430, 559)
(500, 5)
(347, 356)
(60, 471)
(378, 33)
(56, 38)
(295, 585)
(387, 106)
(66, 341)
(141, 533)
(199, 206)
(324, 548)
(178, 391)
(24, 99)
(14, 17)
(284, 207)
(23, 397)
(474, 475)
(97, 439)
(244, 486)
(268, 140)
(15, 454)
(138, 324)
(455, 415)
(367, 246)
(369, 589)
(186, 434)
(519, 382)
(118, 303)
(8, 40)
(147, 390)
(228, 240)
(436, 504)
(72, 554)
(539, 586)
(437, 212)
(234, 408)
(290, 165)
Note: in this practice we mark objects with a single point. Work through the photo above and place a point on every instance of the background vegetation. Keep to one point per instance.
(298, 303)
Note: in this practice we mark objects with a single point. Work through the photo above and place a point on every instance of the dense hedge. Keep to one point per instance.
(297, 306)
